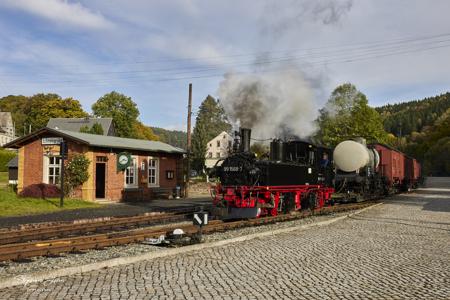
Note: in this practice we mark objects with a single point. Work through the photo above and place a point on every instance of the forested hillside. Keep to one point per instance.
(407, 117)
(421, 128)
(172, 137)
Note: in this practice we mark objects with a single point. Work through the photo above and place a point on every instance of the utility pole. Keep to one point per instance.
(188, 147)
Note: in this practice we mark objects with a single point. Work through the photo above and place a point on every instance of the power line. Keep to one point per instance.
(325, 50)
(344, 59)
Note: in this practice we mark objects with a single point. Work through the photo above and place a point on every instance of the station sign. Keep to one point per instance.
(201, 218)
(51, 140)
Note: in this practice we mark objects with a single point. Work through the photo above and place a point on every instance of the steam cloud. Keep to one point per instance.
(271, 104)
(281, 103)
(282, 17)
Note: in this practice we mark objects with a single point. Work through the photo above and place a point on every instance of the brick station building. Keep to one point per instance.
(155, 167)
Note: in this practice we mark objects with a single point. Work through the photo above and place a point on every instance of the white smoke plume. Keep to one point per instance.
(283, 17)
(272, 104)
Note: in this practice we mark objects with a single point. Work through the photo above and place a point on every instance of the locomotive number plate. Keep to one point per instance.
(232, 169)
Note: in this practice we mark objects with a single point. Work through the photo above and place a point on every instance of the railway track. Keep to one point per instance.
(16, 251)
(66, 229)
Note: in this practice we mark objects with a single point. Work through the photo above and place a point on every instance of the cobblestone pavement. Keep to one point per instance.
(399, 250)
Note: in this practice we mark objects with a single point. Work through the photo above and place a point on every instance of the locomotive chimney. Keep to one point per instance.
(245, 134)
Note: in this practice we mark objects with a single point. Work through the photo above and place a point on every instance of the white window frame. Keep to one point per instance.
(156, 168)
(135, 165)
(46, 170)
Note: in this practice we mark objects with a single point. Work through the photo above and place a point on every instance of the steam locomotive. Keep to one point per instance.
(297, 175)
(302, 175)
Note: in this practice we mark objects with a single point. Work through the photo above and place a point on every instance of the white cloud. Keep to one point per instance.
(62, 12)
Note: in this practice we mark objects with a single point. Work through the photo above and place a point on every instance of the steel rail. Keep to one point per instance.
(68, 229)
(99, 241)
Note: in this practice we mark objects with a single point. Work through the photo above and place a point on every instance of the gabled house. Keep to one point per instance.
(7, 130)
(218, 148)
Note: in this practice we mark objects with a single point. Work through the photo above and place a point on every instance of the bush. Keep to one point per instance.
(76, 173)
(40, 190)
(5, 157)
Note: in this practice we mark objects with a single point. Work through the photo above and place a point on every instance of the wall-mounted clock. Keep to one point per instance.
(123, 160)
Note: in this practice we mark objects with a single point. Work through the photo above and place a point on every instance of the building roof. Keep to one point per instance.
(100, 141)
(74, 124)
(13, 163)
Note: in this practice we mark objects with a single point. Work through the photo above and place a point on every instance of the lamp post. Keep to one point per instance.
(62, 152)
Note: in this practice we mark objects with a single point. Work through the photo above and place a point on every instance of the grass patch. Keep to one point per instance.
(11, 205)
(3, 178)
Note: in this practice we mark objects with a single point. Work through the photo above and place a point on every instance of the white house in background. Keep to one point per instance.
(7, 131)
(218, 148)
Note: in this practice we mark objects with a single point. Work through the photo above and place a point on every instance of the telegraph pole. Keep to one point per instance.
(188, 148)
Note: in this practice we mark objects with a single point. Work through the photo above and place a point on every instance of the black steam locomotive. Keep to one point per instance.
(297, 174)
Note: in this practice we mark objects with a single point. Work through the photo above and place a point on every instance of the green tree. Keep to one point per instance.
(437, 158)
(348, 115)
(172, 137)
(140, 131)
(5, 157)
(18, 106)
(85, 129)
(35, 111)
(46, 106)
(211, 120)
(95, 129)
(121, 108)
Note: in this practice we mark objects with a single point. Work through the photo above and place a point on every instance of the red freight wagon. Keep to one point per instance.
(392, 165)
(417, 170)
(412, 173)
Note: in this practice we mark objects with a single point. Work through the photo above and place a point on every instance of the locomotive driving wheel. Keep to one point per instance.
(288, 203)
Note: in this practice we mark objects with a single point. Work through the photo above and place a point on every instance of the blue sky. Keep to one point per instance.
(150, 50)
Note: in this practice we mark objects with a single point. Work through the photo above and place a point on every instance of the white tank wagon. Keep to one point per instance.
(351, 156)
(356, 166)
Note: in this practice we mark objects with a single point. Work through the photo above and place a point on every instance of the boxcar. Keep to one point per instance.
(392, 166)
(412, 173)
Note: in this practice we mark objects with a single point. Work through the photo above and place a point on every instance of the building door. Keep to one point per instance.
(100, 169)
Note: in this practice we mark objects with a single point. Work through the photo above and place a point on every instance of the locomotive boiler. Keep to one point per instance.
(297, 175)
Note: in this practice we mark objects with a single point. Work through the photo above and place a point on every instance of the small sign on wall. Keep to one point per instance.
(51, 140)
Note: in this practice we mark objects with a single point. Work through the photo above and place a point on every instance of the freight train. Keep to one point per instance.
(299, 174)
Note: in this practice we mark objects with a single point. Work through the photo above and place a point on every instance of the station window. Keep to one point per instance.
(54, 169)
(218, 155)
(153, 169)
(170, 174)
(209, 154)
(218, 143)
(131, 173)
